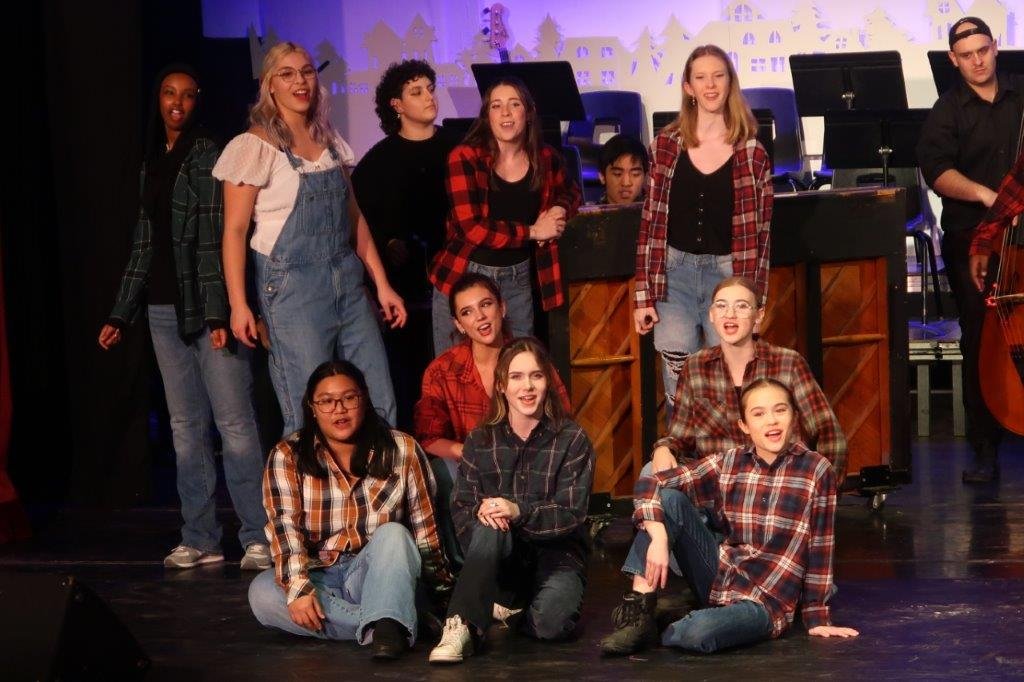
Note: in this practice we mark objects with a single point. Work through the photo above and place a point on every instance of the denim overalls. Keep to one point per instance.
(313, 298)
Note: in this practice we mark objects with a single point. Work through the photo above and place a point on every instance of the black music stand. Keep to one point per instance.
(855, 80)
(867, 139)
(873, 138)
(946, 76)
(552, 84)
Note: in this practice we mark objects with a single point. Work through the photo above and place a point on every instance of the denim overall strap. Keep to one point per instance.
(318, 227)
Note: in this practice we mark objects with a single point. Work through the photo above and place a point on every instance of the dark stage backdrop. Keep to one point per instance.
(79, 77)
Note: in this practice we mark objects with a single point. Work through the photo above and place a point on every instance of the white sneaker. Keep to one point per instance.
(188, 557)
(503, 613)
(257, 557)
(456, 642)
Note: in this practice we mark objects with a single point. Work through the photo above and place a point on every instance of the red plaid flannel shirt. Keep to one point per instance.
(707, 409)
(779, 522)
(1008, 205)
(468, 225)
(751, 217)
(313, 521)
(453, 401)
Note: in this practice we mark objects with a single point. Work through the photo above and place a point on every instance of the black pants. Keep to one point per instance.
(983, 432)
(502, 567)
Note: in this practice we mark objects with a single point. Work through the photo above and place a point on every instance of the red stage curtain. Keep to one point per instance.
(13, 521)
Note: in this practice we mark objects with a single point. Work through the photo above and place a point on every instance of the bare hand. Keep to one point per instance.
(495, 522)
(218, 338)
(832, 631)
(263, 332)
(392, 307)
(306, 612)
(243, 325)
(662, 460)
(645, 319)
(550, 225)
(979, 270)
(497, 512)
(109, 336)
(656, 572)
(500, 507)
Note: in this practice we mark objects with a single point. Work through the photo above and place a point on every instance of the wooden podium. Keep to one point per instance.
(835, 295)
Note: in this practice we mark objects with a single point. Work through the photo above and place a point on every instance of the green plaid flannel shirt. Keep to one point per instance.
(197, 225)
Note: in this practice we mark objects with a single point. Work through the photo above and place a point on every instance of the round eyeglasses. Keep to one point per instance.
(741, 309)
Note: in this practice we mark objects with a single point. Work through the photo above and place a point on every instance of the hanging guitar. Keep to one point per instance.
(1001, 351)
(495, 31)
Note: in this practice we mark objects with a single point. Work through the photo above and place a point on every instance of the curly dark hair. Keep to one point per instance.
(390, 87)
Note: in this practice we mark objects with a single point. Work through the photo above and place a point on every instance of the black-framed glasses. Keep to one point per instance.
(289, 75)
(327, 404)
(739, 308)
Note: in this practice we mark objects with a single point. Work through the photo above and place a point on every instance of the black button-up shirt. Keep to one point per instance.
(977, 138)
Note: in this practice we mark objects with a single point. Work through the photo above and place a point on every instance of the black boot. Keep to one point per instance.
(985, 469)
(981, 473)
(390, 639)
(635, 627)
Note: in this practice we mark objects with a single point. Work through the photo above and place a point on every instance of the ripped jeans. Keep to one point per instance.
(684, 325)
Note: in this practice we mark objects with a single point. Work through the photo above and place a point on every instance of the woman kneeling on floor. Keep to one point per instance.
(351, 522)
(777, 501)
(519, 506)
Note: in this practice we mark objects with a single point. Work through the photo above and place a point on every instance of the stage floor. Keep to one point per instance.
(934, 582)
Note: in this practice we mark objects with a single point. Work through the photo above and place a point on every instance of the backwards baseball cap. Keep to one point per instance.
(979, 28)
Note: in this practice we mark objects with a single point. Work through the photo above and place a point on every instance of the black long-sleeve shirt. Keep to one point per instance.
(977, 138)
(399, 186)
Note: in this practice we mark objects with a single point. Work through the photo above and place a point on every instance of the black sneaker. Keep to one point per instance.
(985, 473)
(635, 627)
(390, 639)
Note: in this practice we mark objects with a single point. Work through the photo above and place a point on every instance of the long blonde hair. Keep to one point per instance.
(739, 119)
(264, 113)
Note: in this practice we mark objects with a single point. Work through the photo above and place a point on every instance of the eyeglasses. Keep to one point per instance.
(289, 75)
(740, 309)
(349, 401)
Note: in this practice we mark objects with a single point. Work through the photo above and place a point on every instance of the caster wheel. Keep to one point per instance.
(878, 501)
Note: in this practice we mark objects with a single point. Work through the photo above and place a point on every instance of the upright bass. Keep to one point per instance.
(1001, 352)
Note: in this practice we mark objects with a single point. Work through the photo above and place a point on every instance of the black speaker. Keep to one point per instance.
(56, 628)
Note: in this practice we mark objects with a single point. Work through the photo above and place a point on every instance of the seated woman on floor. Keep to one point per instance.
(457, 389)
(519, 505)
(777, 500)
(351, 522)
(707, 409)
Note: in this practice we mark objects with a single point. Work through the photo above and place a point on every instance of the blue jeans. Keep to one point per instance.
(317, 312)
(499, 567)
(695, 550)
(357, 591)
(205, 387)
(684, 326)
(515, 284)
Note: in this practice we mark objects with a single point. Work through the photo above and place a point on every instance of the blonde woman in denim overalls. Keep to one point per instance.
(288, 169)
